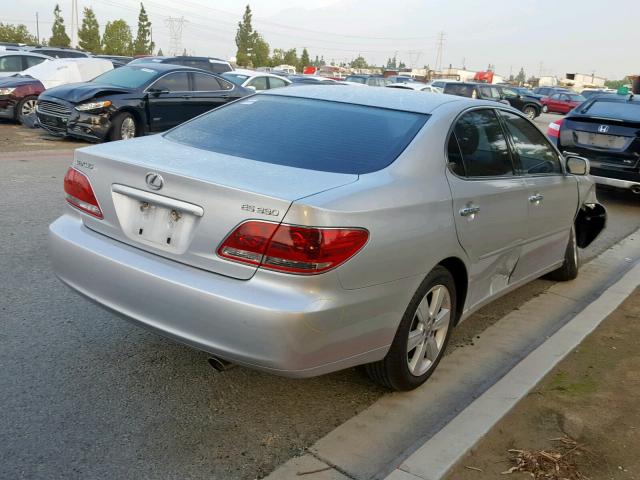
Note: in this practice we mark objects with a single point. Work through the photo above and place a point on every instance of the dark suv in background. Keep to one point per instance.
(606, 130)
(209, 64)
(528, 105)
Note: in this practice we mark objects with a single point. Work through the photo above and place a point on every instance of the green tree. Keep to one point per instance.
(143, 45)
(305, 61)
(59, 37)
(277, 58)
(117, 38)
(616, 84)
(89, 33)
(244, 38)
(259, 51)
(291, 57)
(16, 34)
(359, 62)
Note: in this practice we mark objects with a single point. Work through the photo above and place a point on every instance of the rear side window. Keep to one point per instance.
(460, 90)
(629, 111)
(33, 61)
(304, 133)
(276, 82)
(482, 144)
(205, 83)
(216, 67)
(536, 156)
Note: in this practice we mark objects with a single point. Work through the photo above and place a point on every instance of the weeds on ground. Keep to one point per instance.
(556, 464)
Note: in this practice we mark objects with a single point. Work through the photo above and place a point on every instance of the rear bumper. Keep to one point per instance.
(271, 322)
(617, 183)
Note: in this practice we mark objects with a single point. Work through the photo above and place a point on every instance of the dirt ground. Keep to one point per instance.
(18, 138)
(592, 396)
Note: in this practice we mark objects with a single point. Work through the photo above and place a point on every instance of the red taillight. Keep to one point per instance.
(553, 130)
(292, 249)
(80, 194)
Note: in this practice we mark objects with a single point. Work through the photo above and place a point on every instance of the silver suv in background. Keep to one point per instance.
(309, 244)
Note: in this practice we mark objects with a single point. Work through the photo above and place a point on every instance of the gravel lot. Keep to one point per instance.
(86, 395)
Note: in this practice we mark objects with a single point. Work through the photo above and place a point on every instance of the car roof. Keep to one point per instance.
(23, 52)
(252, 73)
(165, 67)
(629, 98)
(165, 58)
(391, 98)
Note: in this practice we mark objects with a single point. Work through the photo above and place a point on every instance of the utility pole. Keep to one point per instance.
(74, 23)
(175, 26)
(440, 48)
(37, 28)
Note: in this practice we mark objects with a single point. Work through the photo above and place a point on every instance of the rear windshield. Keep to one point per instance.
(304, 133)
(629, 111)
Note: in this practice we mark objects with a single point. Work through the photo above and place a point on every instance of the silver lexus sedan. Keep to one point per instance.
(303, 231)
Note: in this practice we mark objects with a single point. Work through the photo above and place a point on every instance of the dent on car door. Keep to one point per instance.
(489, 202)
(552, 196)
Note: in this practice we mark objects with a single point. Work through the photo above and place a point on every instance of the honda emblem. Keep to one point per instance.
(603, 128)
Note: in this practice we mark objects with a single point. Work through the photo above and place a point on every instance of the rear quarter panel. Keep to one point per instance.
(406, 207)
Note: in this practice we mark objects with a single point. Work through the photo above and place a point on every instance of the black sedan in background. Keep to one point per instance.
(133, 100)
(606, 130)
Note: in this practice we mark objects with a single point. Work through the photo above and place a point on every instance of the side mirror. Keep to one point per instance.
(577, 165)
(251, 87)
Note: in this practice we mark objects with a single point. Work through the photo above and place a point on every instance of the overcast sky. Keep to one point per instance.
(543, 36)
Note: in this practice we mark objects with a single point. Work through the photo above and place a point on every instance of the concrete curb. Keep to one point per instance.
(438, 455)
(373, 443)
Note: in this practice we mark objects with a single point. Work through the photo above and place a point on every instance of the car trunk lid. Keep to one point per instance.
(181, 202)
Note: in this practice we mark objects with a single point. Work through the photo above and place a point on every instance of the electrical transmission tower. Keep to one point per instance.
(175, 26)
(440, 48)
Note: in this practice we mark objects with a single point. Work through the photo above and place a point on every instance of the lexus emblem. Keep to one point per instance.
(603, 128)
(154, 180)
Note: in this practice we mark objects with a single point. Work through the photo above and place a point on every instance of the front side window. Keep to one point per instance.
(536, 155)
(483, 145)
(259, 83)
(11, 63)
(174, 82)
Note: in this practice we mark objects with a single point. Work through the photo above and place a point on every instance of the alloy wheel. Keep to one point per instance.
(128, 128)
(28, 108)
(530, 113)
(428, 330)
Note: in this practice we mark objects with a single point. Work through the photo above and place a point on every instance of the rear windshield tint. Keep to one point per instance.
(629, 111)
(304, 133)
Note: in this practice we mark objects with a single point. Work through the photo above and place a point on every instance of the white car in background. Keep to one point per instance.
(256, 80)
(418, 86)
(15, 61)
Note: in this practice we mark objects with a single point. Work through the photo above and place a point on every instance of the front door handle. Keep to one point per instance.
(537, 198)
(469, 211)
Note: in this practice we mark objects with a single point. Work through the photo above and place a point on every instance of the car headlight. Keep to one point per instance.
(85, 107)
(6, 91)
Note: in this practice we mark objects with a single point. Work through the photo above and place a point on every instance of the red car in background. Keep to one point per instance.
(561, 102)
(18, 97)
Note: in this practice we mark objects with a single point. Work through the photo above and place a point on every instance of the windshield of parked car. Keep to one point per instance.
(127, 77)
(236, 78)
(356, 79)
(629, 111)
(304, 133)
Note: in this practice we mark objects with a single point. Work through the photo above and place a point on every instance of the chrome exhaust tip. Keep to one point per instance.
(220, 365)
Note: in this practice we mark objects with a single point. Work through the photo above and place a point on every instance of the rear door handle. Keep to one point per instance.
(469, 211)
(537, 198)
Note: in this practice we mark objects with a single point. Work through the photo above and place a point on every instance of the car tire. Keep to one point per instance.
(530, 112)
(123, 127)
(25, 107)
(545, 109)
(569, 269)
(401, 369)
